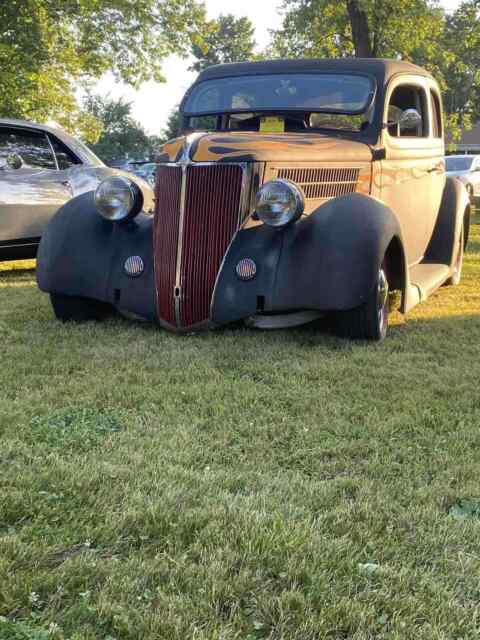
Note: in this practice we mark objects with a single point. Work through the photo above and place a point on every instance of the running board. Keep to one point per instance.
(425, 278)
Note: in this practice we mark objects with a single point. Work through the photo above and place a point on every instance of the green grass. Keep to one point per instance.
(238, 484)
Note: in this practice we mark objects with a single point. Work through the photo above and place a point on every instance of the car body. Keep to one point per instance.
(298, 189)
(467, 169)
(41, 168)
(145, 169)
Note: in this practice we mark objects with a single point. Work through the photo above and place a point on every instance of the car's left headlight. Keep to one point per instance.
(118, 199)
(279, 202)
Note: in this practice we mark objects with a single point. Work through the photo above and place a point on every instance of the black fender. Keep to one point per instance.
(454, 210)
(327, 261)
(82, 254)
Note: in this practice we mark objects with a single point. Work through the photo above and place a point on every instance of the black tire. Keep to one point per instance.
(78, 309)
(370, 320)
(456, 276)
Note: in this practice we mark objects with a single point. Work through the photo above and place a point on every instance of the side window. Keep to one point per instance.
(65, 157)
(436, 115)
(406, 97)
(32, 146)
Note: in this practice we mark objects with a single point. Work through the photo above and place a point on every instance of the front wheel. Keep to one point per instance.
(78, 309)
(370, 320)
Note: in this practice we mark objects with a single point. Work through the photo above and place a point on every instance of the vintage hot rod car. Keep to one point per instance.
(298, 188)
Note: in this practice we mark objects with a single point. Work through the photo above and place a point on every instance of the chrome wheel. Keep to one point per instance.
(382, 300)
(369, 321)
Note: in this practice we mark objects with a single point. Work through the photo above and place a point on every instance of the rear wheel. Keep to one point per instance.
(370, 320)
(78, 309)
(457, 269)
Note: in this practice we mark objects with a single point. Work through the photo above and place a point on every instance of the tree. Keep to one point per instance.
(364, 28)
(415, 30)
(47, 46)
(461, 67)
(227, 39)
(173, 124)
(121, 137)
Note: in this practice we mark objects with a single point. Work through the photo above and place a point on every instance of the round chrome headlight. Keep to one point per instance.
(118, 199)
(279, 202)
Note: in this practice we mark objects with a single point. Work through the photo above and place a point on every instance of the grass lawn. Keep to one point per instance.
(239, 484)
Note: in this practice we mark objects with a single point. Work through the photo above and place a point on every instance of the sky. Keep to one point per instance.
(152, 103)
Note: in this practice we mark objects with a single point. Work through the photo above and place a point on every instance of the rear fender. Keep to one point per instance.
(454, 210)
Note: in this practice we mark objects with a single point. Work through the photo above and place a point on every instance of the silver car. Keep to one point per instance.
(467, 170)
(41, 168)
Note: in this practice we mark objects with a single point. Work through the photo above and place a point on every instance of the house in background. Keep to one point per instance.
(469, 142)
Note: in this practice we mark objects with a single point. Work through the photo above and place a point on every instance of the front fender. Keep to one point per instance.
(81, 254)
(327, 261)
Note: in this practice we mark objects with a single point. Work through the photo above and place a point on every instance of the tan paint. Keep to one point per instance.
(411, 179)
(285, 147)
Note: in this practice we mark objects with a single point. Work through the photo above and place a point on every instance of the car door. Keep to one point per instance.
(413, 171)
(32, 187)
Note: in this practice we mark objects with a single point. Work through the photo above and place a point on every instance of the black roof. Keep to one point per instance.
(383, 70)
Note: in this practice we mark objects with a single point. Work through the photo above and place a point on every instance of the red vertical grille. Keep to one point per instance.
(166, 226)
(210, 219)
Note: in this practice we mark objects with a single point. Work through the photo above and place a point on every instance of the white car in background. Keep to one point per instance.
(41, 168)
(467, 170)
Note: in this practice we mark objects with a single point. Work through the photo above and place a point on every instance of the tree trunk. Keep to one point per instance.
(360, 30)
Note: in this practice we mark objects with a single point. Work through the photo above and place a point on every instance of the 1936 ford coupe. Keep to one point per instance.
(297, 189)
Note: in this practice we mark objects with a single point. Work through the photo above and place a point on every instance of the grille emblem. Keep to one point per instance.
(246, 269)
(134, 266)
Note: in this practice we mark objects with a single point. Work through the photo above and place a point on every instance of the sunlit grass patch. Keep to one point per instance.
(239, 484)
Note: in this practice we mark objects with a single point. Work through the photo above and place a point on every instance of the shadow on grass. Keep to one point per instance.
(12, 274)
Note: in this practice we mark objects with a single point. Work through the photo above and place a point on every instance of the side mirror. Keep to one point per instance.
(13, 161)
(410, 119)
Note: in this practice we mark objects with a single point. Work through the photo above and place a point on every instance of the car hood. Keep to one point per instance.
(260, 147)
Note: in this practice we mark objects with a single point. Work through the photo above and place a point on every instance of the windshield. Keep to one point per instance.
(314, 92)
(458, 163)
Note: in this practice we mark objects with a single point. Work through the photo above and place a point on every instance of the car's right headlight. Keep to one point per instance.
(118, 199)
(279, 202)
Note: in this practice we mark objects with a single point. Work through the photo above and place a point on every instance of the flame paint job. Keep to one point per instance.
(258, 147)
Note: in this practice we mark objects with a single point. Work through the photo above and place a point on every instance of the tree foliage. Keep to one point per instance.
(415, 30)
(48, 47)
(172, 127)
(227, 39)
(121, 136)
